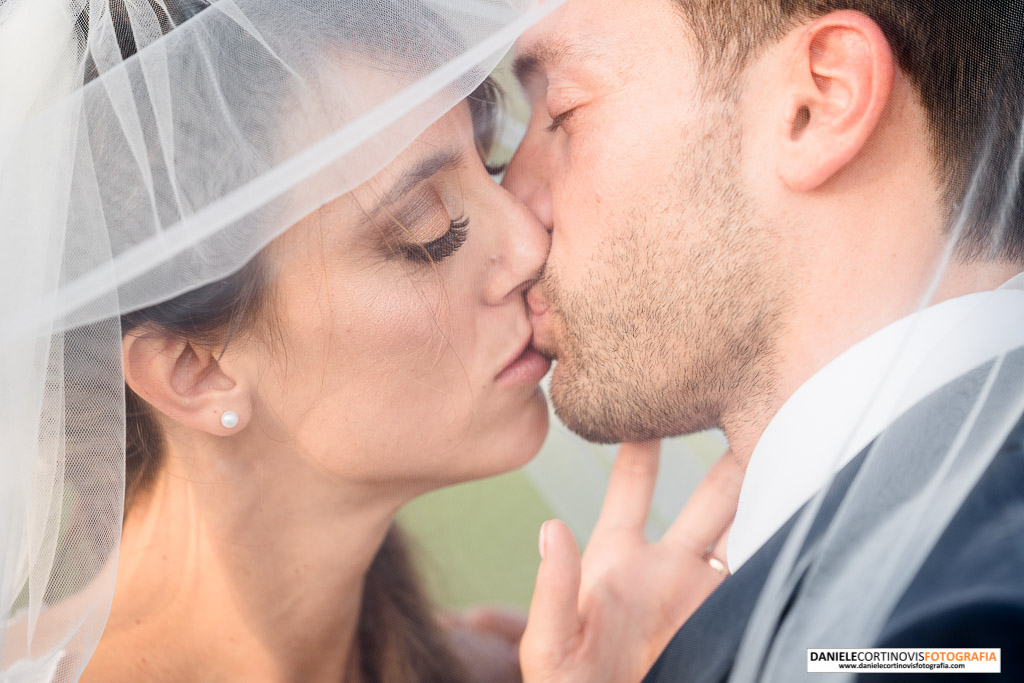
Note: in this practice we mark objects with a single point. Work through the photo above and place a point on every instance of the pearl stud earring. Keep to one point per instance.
(229, 419)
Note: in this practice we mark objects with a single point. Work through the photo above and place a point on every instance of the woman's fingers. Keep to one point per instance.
(630, 488)
(488, 657)
(711, 508)
(505, 622)
(553, 625)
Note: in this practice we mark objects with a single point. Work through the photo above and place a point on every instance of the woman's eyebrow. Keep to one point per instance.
(422, 170)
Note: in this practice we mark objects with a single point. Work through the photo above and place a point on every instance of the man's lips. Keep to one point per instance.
(541, 320)
(537, 302)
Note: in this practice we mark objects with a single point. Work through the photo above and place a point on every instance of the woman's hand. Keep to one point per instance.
(609, 617)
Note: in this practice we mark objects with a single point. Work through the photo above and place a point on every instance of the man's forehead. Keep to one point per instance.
(541, 53)
(538, 56)
(582, 33)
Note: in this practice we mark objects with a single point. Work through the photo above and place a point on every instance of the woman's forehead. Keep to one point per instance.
(443, 146)
(436, 149)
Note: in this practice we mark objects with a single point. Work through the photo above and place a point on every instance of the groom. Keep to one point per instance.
(738, 193)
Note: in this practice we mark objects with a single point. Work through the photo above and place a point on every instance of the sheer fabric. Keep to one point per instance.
(127, 181)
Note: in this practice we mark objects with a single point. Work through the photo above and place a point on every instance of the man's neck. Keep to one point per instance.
(820, 330)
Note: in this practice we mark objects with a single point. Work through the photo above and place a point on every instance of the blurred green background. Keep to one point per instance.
(477, 542)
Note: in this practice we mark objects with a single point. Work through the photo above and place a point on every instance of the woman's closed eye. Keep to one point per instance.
(422, 231)
(439, 249)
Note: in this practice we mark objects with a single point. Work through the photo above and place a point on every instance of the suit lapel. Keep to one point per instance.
(704, 648)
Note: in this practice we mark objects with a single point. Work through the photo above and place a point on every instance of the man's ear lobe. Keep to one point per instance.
(189, 384)
(838, 86)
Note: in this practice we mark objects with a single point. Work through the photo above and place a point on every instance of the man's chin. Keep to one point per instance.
(574, 406)
(600, 412)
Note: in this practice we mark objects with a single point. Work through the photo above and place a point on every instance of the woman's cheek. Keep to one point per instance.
(403, 351)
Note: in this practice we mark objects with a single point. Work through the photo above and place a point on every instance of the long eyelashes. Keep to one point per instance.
(444, 246)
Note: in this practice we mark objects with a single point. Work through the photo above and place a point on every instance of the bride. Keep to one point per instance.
(276, 416)
(279, 418)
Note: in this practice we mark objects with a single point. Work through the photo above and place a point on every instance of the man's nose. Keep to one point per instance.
(528, 178)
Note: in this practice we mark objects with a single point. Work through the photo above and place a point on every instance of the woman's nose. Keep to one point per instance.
(520, 253)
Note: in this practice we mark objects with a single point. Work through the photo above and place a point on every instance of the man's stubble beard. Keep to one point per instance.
(665, 336)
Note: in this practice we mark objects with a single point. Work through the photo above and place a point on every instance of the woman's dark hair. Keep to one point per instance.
(398, 638)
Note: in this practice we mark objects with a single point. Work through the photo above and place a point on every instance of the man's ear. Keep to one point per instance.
(190, 384)
(838, 85)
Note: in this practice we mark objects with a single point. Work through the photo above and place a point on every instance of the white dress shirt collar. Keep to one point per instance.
(843, 407)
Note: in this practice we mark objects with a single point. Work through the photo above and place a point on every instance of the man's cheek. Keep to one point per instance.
(568, 253)
(594, 179)
(583, 220)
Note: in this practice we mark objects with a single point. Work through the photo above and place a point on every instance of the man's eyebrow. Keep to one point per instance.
(540, 57)
(423, 169)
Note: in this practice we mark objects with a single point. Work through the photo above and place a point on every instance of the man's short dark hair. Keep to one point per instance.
(964, 59)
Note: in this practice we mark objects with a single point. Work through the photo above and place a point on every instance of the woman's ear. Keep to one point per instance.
(838, 85)
(190, 384)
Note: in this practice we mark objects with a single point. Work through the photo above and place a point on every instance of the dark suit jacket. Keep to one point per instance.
(960, 598)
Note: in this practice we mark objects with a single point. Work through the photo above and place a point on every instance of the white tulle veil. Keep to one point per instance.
(125, 182)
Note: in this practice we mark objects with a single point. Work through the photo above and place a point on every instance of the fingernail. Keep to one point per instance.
(543, 530)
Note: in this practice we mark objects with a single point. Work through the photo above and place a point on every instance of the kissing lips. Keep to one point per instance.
(543, 340)
(529, 367)
(536, 300)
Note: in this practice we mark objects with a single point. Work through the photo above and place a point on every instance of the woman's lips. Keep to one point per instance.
(529, 367)
(533, 360)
